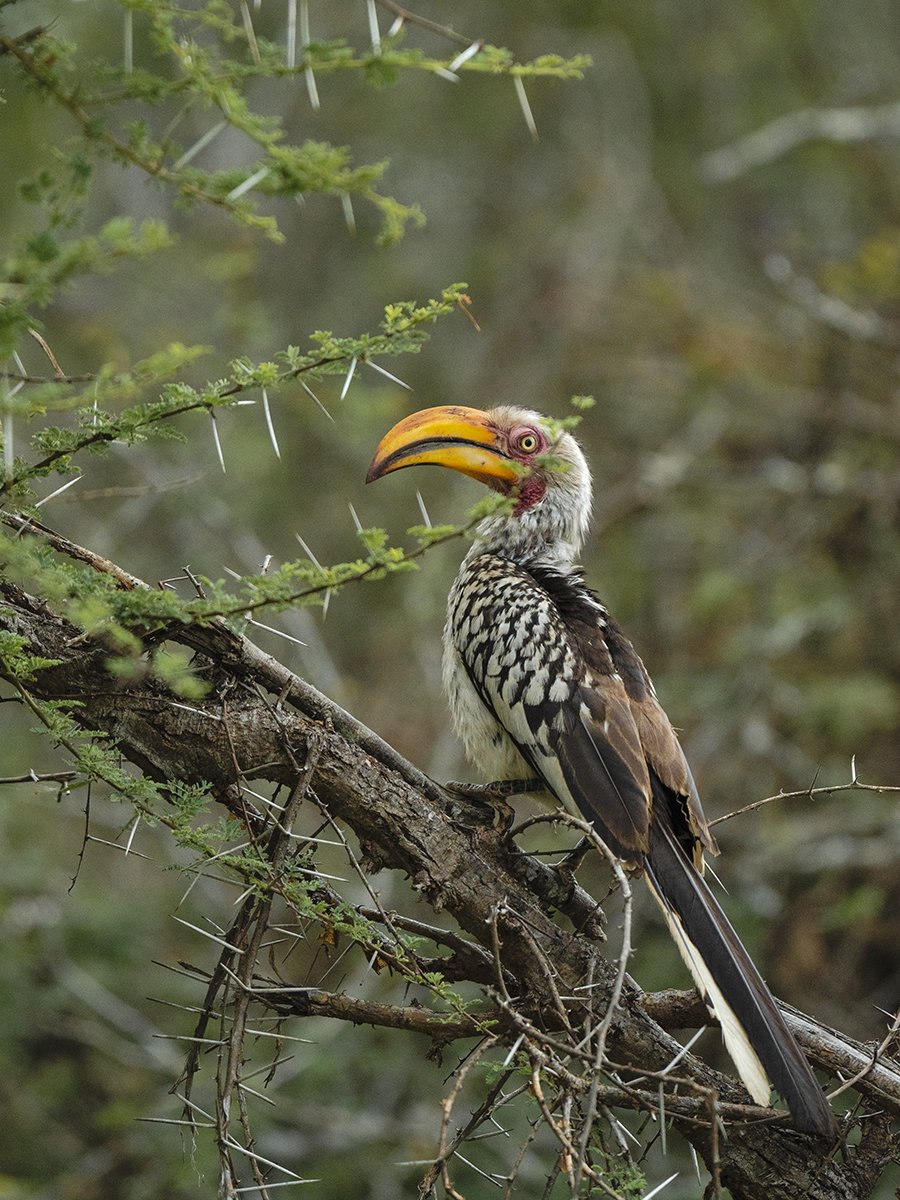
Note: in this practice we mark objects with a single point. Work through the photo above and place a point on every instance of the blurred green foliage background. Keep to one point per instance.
(737, 318)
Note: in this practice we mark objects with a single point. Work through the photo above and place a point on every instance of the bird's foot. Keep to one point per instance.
(576, 856)
(488, 803)
(500, 789)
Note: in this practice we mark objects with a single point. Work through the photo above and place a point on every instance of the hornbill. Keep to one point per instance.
(543, 683)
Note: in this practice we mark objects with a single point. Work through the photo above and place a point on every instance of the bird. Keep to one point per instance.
(543, 684)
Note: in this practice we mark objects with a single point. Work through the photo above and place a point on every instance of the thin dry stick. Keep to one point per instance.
(809, 793)
(565, 1143)
(615, 997)
(543, 962)
(44, 345)
(425, 23)
(511, 1178)
(445, 1152)
(254, 920)
(877, 1053)
(483, 1113)
(715, 1165)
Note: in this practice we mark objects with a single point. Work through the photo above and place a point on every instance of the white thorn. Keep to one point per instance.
(59, 490)
(9, 458)
(137, 821)
(716, 878)
(346, 388)
(512, 1050)
(271, 629)
(525, 106)
(683, 1051)
(250, 182)
(696, 1162)
(445, 74)
(464, 57)
(628, 1133)
(396, 26)
(200, 144)
(212, 937)
(312, 395)
(309, 554)
(271, 427)
(128, 49)
(250, 32)
(215, 429)
(382, 371)
(356, 520)
(312, 90)
(208, 716)
(422, 509)
(266, 563)
(374, 32)
(659, 1187)
(853, 777)
(313, 93)
(292, 34)
(349, 216)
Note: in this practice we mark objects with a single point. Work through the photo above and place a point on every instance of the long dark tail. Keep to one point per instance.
(760, 1044)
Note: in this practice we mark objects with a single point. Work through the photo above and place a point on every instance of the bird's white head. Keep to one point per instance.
(516, 452)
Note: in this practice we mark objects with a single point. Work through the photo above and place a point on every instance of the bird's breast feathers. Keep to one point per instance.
(511, 676)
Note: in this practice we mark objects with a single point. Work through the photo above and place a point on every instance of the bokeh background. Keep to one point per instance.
(737, 318)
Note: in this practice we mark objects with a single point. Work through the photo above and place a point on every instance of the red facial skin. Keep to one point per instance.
(525, 444)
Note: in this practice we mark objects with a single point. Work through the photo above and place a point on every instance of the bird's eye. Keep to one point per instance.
(527, 442)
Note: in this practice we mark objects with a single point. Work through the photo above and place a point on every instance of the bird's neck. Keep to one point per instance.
(533, 536)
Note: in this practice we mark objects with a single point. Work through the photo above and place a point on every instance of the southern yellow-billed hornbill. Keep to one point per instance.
(542, 682)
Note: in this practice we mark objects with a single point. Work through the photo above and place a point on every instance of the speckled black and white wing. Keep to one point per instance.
(521, 687)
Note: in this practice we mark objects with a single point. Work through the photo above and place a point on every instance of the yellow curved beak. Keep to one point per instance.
(448, 436)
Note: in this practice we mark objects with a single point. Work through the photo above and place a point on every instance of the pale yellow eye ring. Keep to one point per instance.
(528, 443)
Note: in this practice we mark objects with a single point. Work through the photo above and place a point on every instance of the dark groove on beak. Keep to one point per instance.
(379, 469)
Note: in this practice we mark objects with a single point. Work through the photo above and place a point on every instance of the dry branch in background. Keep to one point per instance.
(567, 1024)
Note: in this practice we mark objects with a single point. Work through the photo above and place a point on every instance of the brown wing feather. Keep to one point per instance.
(663, 752)
(603, 765)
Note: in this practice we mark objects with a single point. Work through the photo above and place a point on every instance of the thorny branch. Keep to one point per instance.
(405, 14)
(541, 997)
(810, 793)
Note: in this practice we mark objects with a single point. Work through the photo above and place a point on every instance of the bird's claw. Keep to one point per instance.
(500, 789)
(576, 856)
(488, 803)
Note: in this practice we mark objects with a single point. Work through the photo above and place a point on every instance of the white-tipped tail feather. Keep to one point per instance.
(756, 1036)
(749, 1068)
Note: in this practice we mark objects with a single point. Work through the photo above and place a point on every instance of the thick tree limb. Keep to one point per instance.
(259, 724)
